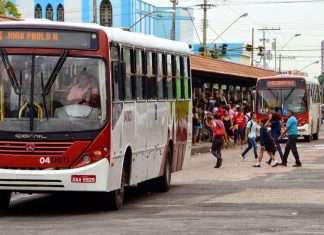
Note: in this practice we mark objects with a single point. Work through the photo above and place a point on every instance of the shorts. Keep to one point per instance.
(241, 133)
(268, 148)
(195, 131)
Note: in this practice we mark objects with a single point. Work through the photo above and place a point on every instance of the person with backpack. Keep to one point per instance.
(218, 139)
(267, 145)
(275, 123)
(250, 134)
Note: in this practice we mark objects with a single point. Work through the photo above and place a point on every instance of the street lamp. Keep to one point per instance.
(150, 13)
(219, 35)
(315, 62)
(294, 36)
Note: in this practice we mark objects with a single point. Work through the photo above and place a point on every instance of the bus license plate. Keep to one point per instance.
(83, 179)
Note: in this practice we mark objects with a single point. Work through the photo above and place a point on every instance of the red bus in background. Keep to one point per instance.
(300, 94)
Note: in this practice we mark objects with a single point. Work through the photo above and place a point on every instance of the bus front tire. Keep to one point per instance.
(308, 138)
(114, 200)
(315, 136)
(5, 197)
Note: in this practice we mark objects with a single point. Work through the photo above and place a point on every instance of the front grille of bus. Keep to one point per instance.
(31, 183)
(48, 148)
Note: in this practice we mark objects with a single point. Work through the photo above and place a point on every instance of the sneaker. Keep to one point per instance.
(257, 165)
(241, 156)
(269, 163)
(282, 164)
(275, 164)
(297, 165)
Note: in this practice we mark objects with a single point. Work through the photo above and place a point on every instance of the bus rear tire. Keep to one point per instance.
(5, 197)
(163, 182)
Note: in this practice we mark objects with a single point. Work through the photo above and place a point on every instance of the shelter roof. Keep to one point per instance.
(214, 66)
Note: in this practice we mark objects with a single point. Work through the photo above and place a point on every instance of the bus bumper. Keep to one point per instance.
(304, 130)
(89, 178)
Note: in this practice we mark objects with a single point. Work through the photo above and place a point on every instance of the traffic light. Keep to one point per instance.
(261, 51)
(249, 47)
(224, 48)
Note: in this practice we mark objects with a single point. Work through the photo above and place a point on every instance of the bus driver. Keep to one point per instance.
(85, 91)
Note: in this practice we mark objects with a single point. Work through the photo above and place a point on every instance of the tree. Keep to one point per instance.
(321, 79)
(8, 8)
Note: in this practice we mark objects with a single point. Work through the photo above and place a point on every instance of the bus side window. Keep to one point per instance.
(128, 85)
(150, 78)
(139, 76)
(185, 77)
(178, 78)
(159, 76)
(169, 80)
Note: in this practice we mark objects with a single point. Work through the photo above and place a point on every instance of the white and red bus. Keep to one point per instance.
(135, 129)
(302, 95)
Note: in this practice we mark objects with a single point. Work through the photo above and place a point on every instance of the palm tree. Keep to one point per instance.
(8, 8)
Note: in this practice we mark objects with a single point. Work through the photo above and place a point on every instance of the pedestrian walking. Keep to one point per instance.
(275, 124)
(250, 134)
(218, 139)
(196, 123)
(291, 131)
(267, 145)
(228, 123)
(239, 121)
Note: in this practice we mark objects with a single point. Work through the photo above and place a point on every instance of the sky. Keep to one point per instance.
(303, 17)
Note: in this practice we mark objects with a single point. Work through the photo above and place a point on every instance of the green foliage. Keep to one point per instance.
(8, 8)
(321, 79)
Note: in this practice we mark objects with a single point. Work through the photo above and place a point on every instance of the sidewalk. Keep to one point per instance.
(201, 148)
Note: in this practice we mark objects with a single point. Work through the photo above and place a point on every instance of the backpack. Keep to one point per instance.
(271, 141)
(250, 128)
(219, 130)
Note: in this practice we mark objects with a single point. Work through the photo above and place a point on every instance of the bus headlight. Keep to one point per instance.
(86, 159)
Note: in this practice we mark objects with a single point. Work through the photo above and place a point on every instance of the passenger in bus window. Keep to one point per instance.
(85, 91)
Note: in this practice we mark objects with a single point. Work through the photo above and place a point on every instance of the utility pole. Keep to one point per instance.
(95, 11)
(264, 42)
(252, 52)
(205, 6)
(175, 3)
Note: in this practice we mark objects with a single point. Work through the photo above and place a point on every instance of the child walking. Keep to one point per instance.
(267, 145)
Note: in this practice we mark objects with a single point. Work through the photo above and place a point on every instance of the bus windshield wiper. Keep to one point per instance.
(10, 72)
(55, 72)
(289, 94)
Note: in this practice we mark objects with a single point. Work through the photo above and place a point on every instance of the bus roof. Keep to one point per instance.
(118, 35)
(309, 80)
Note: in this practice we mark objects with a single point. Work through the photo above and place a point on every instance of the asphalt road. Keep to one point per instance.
(234, 199)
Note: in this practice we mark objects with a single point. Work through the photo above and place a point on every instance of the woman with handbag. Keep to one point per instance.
(218, 139)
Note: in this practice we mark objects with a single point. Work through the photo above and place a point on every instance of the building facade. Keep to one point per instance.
(137, 15)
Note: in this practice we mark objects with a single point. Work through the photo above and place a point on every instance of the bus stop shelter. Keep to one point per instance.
(217, 79)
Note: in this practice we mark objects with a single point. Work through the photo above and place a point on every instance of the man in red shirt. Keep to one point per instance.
(239, 121)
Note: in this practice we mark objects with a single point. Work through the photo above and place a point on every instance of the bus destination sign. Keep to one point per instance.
(48, 39)
(281, 83)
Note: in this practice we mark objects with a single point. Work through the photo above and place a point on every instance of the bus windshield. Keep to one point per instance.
(41, 93)
(286, 99)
